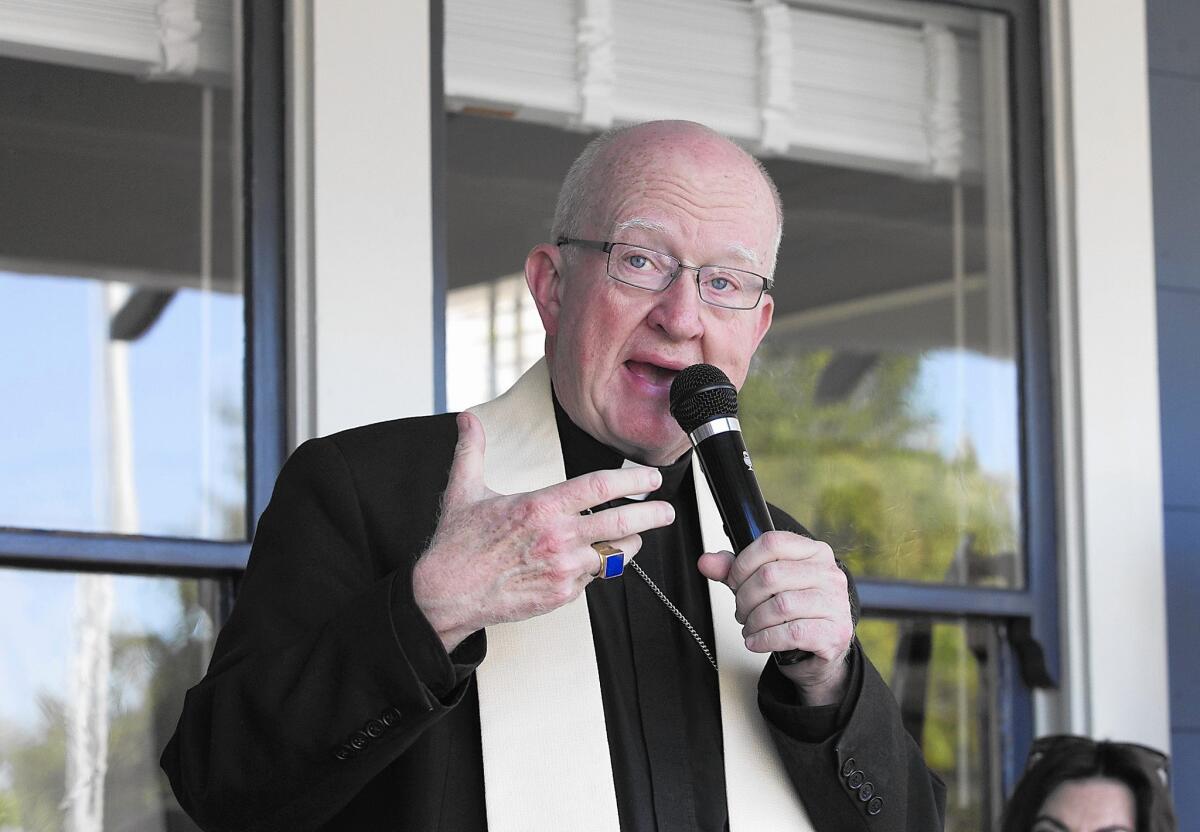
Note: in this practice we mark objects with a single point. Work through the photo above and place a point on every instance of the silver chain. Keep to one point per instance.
(675, 610)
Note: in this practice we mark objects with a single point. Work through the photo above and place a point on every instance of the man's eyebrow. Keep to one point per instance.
(744, 252)
(642, 223)
(1055, 822)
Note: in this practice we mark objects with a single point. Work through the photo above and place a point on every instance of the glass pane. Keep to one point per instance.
(496, 319)
(120, 303)
(91, 694)
(502, 182)
(882, 408)
(945, 677)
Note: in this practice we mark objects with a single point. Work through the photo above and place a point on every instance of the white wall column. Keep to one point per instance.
(362, 264)
(1113, 595)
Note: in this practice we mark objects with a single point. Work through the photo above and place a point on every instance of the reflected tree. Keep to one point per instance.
(865, 471)
(150, 672)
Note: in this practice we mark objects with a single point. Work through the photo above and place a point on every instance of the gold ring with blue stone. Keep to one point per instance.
(612, 560)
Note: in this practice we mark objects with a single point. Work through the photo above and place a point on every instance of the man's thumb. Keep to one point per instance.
(716, 566)
(466, 472)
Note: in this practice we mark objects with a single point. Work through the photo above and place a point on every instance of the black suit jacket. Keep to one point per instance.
(324, 707)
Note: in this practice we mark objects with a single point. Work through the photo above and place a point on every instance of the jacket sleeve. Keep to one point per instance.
(868, 776)
(854, 765)
(324, 673)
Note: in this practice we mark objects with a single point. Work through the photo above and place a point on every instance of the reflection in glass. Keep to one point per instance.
(882, 407)
(91, 695)
(120, 303)
(880, 470)
(944, 676)
(496, 319)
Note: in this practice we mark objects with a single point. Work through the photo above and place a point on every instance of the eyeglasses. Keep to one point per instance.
(1150, 758)
(653, 270)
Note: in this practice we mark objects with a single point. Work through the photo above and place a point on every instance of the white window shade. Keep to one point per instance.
(832, 85)
(513, 56)
(169, 39)
(681, 59)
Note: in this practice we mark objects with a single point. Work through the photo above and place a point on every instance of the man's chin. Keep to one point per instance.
(655, 450)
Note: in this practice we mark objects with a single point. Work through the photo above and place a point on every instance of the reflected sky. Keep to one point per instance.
(988, 405)
(47, 440)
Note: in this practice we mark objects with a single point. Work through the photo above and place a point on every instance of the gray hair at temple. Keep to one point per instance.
(580, 190)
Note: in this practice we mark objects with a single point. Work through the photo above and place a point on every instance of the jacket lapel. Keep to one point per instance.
(757, 786)
(545, 748)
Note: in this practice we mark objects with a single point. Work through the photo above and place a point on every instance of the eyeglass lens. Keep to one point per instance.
(654, 270)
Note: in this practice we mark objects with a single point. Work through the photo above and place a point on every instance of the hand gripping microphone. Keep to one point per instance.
(704, 402)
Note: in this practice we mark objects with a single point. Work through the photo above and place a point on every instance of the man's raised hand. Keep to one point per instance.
(496, 558)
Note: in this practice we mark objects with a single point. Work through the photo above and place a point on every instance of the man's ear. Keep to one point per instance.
(543, 275)
(766, 313)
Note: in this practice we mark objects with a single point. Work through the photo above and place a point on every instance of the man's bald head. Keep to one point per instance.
(614, 160)
(614, 346)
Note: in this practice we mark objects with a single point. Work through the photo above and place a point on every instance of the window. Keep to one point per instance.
(141, 328)
(899, 406)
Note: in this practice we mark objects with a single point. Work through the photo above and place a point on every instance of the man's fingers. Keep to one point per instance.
(621, 521)
(784, 607)
(823, 637)
(771, 579)
(599, 487)
(801, 634)
(466, 470)
(778, 546)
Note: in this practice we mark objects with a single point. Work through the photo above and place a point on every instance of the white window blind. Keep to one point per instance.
(846, 86)
(171, 39)
(518, 55)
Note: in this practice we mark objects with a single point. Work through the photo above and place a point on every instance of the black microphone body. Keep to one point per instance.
(727, 467)
(704, 402)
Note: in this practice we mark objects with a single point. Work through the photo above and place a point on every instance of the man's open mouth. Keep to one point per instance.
(653, 373)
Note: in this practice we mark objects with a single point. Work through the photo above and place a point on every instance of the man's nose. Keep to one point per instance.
(678, 309)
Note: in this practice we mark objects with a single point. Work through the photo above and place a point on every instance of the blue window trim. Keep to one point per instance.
(266, 247)
(1039, 487)
(902, 598)
(119, 553)
(265, 378)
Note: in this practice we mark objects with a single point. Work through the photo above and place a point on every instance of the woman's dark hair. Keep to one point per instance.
(1057, 760)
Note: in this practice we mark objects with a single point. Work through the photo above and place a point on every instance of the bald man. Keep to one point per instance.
(422, 640)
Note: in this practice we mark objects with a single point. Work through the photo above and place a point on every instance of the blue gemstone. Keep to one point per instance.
(614, 565)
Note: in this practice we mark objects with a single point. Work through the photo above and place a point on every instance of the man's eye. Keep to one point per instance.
(722, 283)
(638, 261)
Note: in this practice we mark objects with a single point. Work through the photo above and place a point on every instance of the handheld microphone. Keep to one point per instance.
(704, 403)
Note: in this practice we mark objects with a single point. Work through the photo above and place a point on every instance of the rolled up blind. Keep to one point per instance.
(172, 39)
(819, 84)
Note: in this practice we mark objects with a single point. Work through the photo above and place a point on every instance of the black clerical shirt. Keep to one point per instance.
(661, 703)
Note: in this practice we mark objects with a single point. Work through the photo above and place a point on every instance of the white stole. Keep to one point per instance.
(545, 747)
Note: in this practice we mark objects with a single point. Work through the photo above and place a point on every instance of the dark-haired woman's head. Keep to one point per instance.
(1075, 784)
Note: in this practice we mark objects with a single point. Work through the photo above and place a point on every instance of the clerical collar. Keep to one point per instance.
(583, 453)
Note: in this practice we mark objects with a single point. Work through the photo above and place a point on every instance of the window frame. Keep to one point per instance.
(264, 376)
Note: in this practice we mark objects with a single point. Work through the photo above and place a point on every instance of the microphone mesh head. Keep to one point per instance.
(700, 394)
